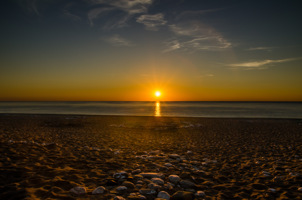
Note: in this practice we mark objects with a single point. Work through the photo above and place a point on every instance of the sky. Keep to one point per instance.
(118, 50)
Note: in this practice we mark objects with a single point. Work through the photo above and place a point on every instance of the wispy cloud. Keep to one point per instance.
(192, 36)
(260, 48)
(171, 46)
(260, 64)
(117, 40)
(126, 9)
(130, 6)
(152, 22)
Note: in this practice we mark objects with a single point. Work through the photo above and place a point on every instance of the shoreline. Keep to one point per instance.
(150, 116)
(49, 156)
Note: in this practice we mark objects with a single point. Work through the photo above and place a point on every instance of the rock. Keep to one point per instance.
(174, 179)
(99, 190)
(136, 196)
(199, 194)
(128, 184)
(182, 195)
(119, 198)
(187, 184)
(163, 195)
(120, 175)
(300, 189)
(138, 177)
(78, 190)
(154, 186)
(147, 191)
(189, 152)
(168, 165)
(185, 175)
(266, 173)
(152, 175)
(121, 189)
(272, 190)
(169, 186)
(174, 156)
(137, 171)
(158, 181)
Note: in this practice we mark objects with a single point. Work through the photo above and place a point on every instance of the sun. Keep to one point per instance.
(157, 93)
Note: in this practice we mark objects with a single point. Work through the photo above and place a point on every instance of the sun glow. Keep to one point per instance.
(157, 93)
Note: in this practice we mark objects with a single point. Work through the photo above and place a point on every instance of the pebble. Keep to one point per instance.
(137, 171)
(182, 195)
(169, 186)
(265, 173)
(272, 190)
(200, 194)
(158, 181)
(136, 196)
(163, 195)
(128, 184)
(119, 198)
(168, 165)
(147, 191)
(152, 175)
(187, 184)
(99, 190)
(154, 186)
(189, 152)
(174, 156)
(121, 188)
(174, 179)
(78, 190)
(120, 175)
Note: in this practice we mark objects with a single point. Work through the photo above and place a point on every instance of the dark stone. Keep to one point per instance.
(128, 185)
(187, 184)
(182, 195)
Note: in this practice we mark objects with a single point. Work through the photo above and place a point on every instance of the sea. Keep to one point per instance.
(160, 108)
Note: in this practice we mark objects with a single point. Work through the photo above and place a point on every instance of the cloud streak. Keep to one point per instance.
(193, 36)
(152, 22)
(260, 49)
(260, 64)
(117, 40)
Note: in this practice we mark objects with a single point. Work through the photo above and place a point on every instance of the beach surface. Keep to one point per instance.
(116, 157)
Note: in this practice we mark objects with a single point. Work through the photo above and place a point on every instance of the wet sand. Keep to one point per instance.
(47, 156)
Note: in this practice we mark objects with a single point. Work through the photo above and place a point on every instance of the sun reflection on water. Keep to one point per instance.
(157, 109)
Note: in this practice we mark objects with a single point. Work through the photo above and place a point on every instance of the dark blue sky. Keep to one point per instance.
(192, 50)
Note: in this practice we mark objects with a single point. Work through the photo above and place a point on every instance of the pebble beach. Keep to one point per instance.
(122, 157)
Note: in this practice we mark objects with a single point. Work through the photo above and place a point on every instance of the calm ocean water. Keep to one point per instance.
(179, 109)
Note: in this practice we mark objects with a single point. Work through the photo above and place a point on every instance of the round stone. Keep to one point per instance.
(158, 181)
(78, 190)
(163, 195)
(99, 190)
(174, 179)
